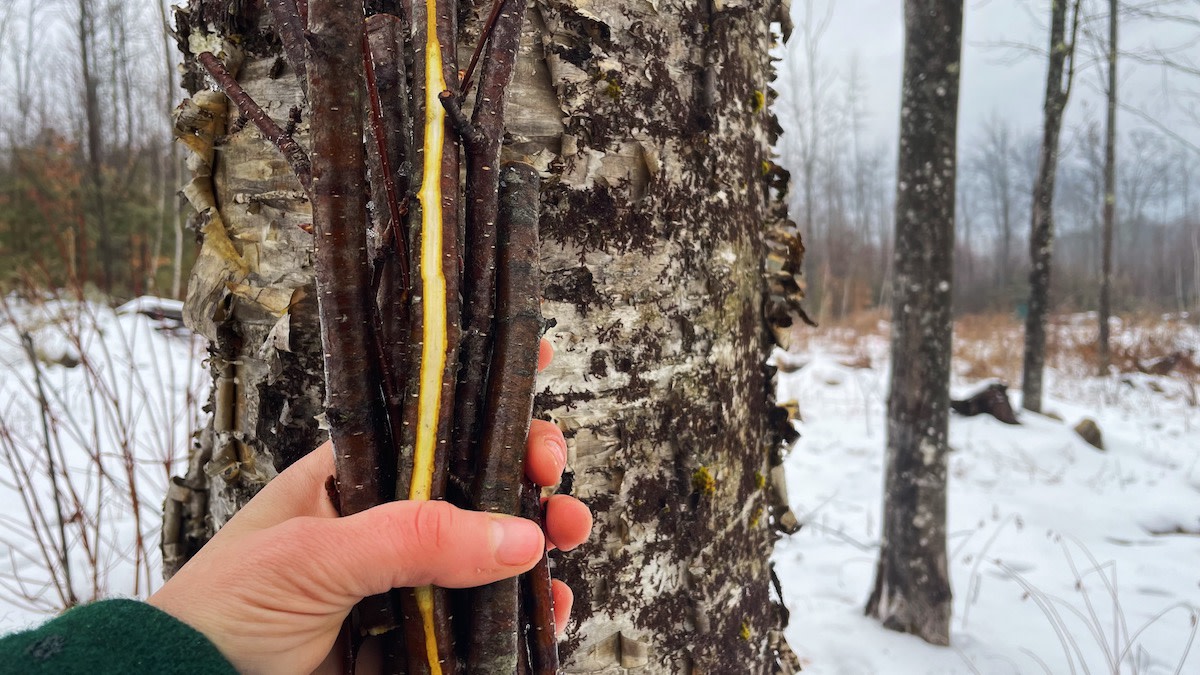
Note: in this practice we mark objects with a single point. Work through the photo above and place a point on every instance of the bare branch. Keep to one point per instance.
(500, 465)
(353, 405)
(290, 28)
(288, 147)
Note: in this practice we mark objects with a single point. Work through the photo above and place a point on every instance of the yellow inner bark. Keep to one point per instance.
(433, 292)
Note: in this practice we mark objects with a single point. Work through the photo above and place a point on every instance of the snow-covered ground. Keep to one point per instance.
(123, 390)
(1055, 562)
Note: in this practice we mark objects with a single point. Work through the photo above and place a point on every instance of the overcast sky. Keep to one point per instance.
(998, 80)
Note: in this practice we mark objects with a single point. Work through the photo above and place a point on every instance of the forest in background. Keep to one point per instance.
(89, 174)
(842, 190)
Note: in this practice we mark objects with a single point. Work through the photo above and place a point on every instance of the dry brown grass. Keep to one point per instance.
(990, 346)
(847, 335)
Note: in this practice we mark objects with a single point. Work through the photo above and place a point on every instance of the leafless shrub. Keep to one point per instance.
(97, 409)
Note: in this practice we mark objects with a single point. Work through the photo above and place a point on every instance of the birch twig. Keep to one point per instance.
(352, 382)
(537, 597)
(500, 466)
(289, 26)
(483, 181)
(431, 640)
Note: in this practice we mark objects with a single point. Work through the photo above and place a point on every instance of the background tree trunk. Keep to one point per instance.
(1041, 236)
(912, 584)
(1110, 191)
(96, 199)
(650, 125)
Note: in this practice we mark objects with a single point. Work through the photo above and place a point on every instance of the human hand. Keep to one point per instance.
(272, 588)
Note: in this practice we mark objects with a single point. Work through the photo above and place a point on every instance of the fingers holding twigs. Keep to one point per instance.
(545, 452)
(545, 354)
(568, 522)
(564, 599)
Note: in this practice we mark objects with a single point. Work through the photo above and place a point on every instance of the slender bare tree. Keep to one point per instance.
(1110, 191)
(1060, 74)
(171, 164)
(94, 131)
(994, 160)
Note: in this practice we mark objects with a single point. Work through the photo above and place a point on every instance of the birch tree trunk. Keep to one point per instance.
(649, 123)
(912, 583)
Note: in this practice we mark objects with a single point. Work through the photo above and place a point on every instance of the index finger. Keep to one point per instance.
(545, 354)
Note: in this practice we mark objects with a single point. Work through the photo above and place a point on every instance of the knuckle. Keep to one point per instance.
(428, 526)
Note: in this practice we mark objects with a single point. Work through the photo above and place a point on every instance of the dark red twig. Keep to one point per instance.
(482, 186)
(383, 44)
(483, 38)
(288, 147)
(537, 606)
(357, 420)
(493, 643)
(290, 29)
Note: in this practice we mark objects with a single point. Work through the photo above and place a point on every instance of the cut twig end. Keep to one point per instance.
(471, 134)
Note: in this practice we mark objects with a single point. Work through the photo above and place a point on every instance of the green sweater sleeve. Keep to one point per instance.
(110, 637)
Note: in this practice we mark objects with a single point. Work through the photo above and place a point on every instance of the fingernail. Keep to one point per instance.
(518, 541)
(556, 448)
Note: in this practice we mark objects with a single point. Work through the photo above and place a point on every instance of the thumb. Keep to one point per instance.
(415, 543)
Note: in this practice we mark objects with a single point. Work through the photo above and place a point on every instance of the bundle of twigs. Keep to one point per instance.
(417, 352)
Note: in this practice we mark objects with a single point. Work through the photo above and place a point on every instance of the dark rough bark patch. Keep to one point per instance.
(289, 404)
(610, 224)
(912, 584)
(227, 18)
(574, 284)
